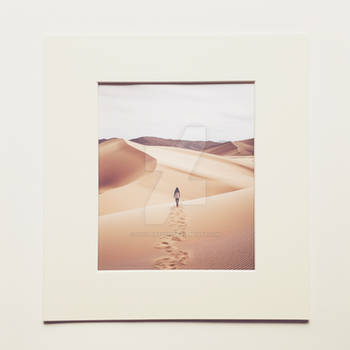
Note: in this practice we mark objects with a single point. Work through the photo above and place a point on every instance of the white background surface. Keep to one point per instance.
(23, 25)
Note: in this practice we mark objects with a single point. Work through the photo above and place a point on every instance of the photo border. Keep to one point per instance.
(278, 287)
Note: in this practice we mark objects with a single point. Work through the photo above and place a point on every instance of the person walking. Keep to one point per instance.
(177, 196)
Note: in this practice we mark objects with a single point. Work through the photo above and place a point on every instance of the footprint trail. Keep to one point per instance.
(174, 257)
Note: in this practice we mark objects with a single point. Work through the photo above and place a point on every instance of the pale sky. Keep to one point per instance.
(217, 112)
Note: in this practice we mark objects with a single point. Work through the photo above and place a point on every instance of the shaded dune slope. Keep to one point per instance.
(120, 164)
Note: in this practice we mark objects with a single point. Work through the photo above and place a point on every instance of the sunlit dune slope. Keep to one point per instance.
(200, 164)
(197, 174)
(219, 234)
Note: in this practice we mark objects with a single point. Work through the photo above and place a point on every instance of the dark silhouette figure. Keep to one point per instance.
(177, 196)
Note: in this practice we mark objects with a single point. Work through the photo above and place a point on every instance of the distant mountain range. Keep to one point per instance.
(157, 141)
(235, 148)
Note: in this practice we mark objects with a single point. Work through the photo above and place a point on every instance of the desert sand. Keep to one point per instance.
(141, 228)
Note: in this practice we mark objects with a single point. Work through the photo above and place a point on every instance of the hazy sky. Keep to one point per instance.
(192, 112)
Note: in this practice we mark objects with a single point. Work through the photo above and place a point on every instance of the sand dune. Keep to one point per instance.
(200, 175)
(208, 166)
(217, 234)
(157, 187)
(120, 164)
(139, 227)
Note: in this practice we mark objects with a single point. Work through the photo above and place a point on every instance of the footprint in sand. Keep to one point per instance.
(175, 258)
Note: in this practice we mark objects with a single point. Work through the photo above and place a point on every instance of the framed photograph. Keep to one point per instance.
(176, 178)
(176, 188)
